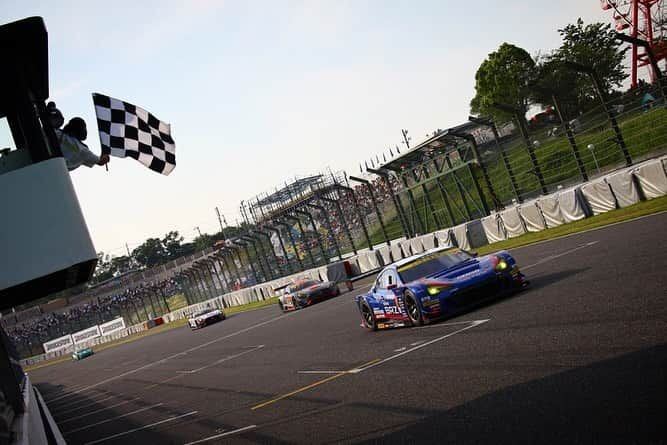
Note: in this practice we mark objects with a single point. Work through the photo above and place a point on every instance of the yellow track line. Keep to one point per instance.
(313, 385)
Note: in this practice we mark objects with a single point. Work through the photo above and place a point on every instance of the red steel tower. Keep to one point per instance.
(643, 19)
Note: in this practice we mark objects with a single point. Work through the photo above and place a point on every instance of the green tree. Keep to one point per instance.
(592, 45)
(503, 77)
(150, 253)
(172, 244)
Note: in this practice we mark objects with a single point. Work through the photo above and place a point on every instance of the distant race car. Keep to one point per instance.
(82, 353)
(302, 293)
(435, 284)
(205, 318)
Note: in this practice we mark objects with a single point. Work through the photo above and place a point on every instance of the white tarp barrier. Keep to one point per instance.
(652, 178)
(550, 209)
(385, 254)
(532, 217)
(406, 247)
(624, 188)
(354, 264)
(396, 251)
(512, 221)
(86, 334)
(571, 204)
(428, 241)
(112, 326)
(369, 261)
(416, 245)
(460, 233)
(324, 275)
(598, 195)
(445, 238)
(493, 228)
(57, 344)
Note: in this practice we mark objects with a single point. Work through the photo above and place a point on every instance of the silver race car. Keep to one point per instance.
(204, 318)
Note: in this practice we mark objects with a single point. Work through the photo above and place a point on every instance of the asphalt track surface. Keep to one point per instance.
(580, 357)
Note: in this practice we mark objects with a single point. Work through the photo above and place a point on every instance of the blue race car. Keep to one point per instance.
(435, 284)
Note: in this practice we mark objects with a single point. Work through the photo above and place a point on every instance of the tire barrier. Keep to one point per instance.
(513, 222)
(533, 218)
(652, 178)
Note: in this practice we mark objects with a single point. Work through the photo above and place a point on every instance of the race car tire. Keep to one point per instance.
(280, 305)
(368, 316)
(413, 310)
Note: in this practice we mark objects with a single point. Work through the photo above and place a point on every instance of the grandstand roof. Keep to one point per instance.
(442, 142)
(290, 191)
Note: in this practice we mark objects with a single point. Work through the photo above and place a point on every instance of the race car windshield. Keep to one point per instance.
(302, 285)
(431, 264)
(199, 314)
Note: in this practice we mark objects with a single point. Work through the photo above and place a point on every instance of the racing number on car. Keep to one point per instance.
(392, 310)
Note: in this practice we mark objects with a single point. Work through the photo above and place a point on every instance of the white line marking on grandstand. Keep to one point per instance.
(149, 365)
(134, 430)
(400, 354)
(112, 419)
(224, 359)
(96, 411)
(553, 257)
(228, 433)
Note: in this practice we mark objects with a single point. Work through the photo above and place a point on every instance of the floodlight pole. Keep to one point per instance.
(282, 247)
(597, 85)
(291, 237)
(475, 150)
(395, 199)
(249, 241)
(303, 236)
(327, 220)
(375, 206)
(523, 128)
(343, 223)
(275, 257)
(317, 234)
(503, 154)
(350, 191)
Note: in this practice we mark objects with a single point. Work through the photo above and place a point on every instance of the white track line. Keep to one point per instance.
(224, 359)
(228, 433)
(112, 419)
(84, 405)
(400, 354)
(134, 430)
(553, 257)
(402, 351)
(90, 413)
(157, 362)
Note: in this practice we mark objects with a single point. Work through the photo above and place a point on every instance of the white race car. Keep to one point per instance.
(203, 318)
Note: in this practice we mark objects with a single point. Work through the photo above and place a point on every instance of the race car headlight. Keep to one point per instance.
(436, 289)
(502, 265)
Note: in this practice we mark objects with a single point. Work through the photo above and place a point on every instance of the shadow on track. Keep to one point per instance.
(605, 402)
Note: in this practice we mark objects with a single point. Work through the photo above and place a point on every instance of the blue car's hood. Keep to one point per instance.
(471, 270)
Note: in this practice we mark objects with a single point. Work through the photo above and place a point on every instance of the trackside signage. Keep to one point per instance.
(112, 326)
(86, 334)
(58, 343)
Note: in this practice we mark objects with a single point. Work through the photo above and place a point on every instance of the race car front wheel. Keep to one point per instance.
(369, 318)
(413, 309)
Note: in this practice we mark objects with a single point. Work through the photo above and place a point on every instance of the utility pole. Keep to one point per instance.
(406, 139)
(222, 229)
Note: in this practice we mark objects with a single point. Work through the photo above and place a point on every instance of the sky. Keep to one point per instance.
(258, 92)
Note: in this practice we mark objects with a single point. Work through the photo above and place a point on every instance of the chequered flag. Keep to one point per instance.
(128, 130)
